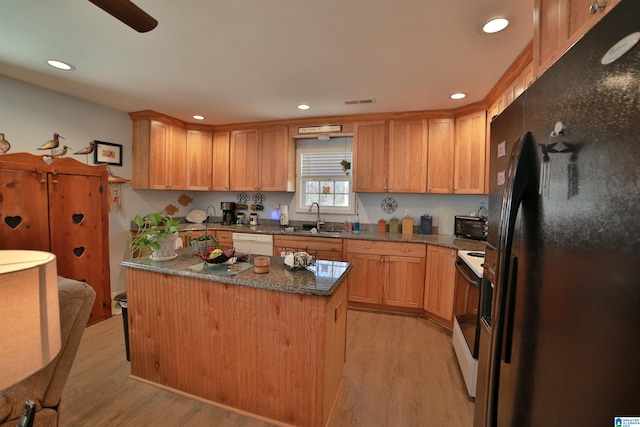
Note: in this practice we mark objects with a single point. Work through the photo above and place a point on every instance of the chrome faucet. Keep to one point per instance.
(319, 222)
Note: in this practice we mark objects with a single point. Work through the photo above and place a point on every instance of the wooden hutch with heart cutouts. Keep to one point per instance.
(59, 205)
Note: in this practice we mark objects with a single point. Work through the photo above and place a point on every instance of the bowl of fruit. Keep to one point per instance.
(216, 256)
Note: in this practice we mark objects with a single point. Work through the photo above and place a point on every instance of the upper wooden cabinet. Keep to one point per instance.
(390, 158)
(220, 164)
(441, 156)
(158, 155)
(407, 156)
(199, 160)
(470, 154)
(262, 160)
(444, 156)
(207, 160)
(370, 162)
(558, 24)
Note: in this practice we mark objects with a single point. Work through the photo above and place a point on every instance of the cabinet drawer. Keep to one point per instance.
(314, 243)
(225, 236)
(385, 248)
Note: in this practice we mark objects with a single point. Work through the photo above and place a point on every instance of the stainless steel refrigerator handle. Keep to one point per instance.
(521, 175)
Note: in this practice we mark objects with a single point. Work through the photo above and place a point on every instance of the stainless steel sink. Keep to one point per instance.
(329, 233)
(321, 232)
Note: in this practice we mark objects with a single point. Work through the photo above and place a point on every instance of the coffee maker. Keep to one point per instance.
(228, 212)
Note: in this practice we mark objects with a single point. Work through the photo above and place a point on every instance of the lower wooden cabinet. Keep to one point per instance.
(225, 238)
(324, 247)
(440, 282)
(366, 279)
(388, 274)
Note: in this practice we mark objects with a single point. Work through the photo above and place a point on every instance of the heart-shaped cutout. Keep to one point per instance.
(47, 159)
(77, 218)
(78, 251)
(13, 221)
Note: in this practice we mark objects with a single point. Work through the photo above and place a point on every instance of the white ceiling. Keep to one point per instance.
(237, 61)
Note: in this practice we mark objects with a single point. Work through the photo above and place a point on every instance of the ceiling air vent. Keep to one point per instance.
(361, 101)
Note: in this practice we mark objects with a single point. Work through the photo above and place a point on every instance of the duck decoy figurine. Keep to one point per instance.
(86, 150)
(51, 144)
(61, 152)
(4, 144)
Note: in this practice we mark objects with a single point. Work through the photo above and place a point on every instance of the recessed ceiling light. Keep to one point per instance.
(303, 107)
(458, 95)
(198, 117)
(495, 25)
(60, 65)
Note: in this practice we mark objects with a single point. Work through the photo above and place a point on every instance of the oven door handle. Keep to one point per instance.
(464, 275)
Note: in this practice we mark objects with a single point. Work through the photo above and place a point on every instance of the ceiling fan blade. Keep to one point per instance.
(128, 13)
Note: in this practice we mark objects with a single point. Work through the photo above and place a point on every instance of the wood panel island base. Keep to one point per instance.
(271, 346)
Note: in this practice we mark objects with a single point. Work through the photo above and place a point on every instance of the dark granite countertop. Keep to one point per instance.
(323, 279)
(443, 240)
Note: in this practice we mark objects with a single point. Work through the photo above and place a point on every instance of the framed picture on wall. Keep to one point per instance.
(108, 152)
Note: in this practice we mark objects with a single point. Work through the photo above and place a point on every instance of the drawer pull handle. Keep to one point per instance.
(596, 6)
(405, 250)
(365, 247)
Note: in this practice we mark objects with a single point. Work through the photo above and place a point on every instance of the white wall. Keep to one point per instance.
(29, 115)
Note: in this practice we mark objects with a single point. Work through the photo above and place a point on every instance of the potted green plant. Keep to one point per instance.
(156, 232)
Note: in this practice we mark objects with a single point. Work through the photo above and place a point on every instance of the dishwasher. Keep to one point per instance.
(255, 244)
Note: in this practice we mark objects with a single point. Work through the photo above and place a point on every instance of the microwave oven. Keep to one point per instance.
(471, 227)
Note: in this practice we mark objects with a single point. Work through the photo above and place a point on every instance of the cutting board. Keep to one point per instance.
(220, 269)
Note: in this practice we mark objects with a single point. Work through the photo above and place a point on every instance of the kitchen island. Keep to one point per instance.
(270, 346)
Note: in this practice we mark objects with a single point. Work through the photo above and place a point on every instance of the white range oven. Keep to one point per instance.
(466, 323)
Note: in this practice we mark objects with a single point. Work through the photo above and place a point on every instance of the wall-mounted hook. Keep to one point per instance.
(558, 129)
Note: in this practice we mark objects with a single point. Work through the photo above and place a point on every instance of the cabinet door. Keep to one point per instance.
(407, 156)
(441, 153)
(274, 159)
(76, 232)
(405, 281)
(199, 160)
(470, 151)
(440, 282)
(159, 135)
(24, 210)
(220, 161)
(244, 164)
(370, 157)
(177, 158)
(167, 157)
(366, 278)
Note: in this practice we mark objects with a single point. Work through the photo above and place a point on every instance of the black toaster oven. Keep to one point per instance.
(471, 227)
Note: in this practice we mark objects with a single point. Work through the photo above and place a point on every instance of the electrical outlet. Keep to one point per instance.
(407, 212)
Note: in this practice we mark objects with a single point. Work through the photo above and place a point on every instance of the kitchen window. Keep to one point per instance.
(322, 175)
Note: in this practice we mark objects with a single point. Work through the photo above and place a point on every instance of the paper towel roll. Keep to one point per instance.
(284, 215)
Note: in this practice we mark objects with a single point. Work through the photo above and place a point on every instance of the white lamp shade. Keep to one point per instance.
(29, 313)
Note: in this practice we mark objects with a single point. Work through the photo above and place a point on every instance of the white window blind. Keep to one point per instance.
(323, 164)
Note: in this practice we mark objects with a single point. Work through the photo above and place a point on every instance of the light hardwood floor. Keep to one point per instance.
(400, 371)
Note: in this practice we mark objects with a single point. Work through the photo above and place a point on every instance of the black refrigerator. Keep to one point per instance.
(560, 305)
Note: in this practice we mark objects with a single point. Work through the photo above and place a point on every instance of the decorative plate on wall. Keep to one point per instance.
(389, 205)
